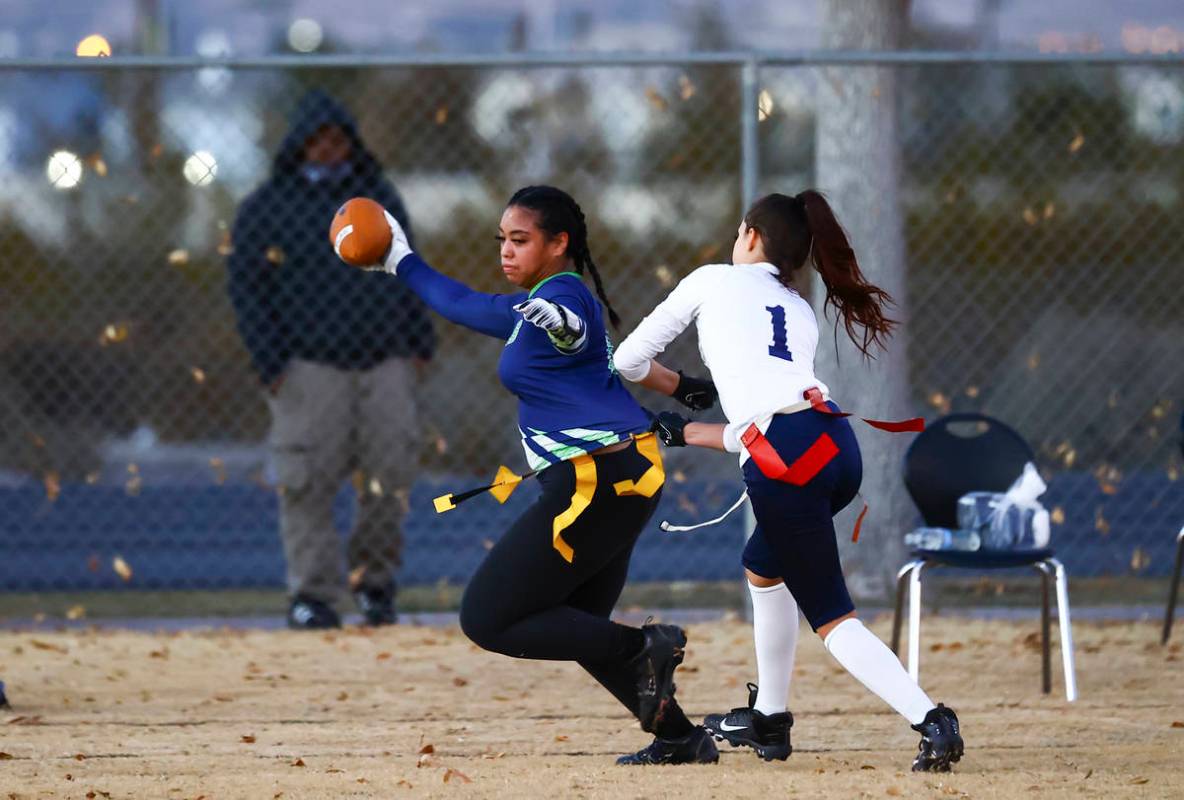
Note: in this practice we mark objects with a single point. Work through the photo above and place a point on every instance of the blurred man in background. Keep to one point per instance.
(336, 350)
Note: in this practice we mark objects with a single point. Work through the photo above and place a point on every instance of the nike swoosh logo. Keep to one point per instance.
(726, 727)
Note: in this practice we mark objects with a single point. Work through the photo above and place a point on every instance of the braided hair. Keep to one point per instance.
(557, 213)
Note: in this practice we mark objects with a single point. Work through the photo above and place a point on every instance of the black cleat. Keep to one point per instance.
(309, 614)
(694, 748)
(941, 741)
(768, 734)
(655, 665)
(377, 605)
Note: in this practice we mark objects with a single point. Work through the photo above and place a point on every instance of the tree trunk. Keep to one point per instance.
(857, 167)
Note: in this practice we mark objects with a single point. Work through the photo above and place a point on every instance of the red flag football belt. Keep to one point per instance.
(806, 466)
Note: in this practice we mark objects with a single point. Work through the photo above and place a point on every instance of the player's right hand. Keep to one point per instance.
(670, 428)
(398, 250)
(696, 394)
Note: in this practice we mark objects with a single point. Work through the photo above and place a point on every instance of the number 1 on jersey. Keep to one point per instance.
(779, 348)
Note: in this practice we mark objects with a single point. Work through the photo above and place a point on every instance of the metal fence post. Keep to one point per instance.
(749, 164)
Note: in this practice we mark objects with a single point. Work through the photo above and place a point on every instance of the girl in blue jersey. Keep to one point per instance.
(548, 586)
(799, 455)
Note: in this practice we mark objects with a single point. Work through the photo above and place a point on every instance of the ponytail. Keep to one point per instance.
(558, 212)
(794, 229)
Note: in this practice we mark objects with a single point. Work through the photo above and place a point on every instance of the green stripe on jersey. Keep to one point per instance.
(540, 284)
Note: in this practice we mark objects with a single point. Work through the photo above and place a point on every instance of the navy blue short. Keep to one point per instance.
(795, 534)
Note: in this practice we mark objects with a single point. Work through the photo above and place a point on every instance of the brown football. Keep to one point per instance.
(360, 234)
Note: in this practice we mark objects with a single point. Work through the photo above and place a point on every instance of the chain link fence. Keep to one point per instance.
(1044, 281)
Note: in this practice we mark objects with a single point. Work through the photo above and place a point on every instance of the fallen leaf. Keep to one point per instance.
(456, 773)
(867, 766)
(404, 783)
(427, 749)
(656, 100)
(1178, 724)
(560, 737)
(424, 760)
(343, 696)
(892, 791)
(53, 486)
(333, 770)
(356, 575)
(40, 645)
(383, 656)
(248, 738)
(121, 568)
(1140, 781)
(6, 756)
(298, 762)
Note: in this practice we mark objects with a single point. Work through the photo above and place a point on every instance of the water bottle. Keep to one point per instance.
(976, 509)
(942, 539)
(979, 512)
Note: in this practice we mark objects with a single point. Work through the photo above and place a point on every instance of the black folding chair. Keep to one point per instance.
(1174, 591)
(963, 453)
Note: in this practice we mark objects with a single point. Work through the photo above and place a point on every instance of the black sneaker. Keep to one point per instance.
(941, 741)
(694, 748)
(655, 665)
(768, 734)
(309, 614)
(377, 605)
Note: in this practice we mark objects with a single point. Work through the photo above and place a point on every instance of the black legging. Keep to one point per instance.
(527, 601)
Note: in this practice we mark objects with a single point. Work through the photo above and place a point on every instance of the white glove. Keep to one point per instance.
(399, 248)
(563, 326)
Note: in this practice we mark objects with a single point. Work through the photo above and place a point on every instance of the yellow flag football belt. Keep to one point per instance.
(506, 481)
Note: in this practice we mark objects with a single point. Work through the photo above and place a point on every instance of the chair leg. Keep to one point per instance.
(898, 616)
(1045, 627)
(1066, 627)
(1174, 590)
(915, 621)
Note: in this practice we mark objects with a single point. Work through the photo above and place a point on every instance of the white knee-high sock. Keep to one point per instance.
(775, 632)
(877, 668)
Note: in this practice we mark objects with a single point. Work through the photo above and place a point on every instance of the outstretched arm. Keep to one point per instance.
(491, 314)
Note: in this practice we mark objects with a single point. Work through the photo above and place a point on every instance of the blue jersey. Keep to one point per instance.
(568, 404)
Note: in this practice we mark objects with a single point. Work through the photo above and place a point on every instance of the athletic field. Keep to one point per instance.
(419, 712)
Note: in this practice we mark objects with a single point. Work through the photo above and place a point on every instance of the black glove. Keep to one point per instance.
(669, 426)
(696, 394)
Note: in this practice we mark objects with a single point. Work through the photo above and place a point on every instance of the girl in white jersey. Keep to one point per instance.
(799, 456)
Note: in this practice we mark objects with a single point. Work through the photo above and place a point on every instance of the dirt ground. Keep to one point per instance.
(234, 714)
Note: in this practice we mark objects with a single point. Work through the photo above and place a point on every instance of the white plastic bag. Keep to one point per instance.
(1023, 498)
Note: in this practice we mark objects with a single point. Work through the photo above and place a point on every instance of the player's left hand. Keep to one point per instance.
(563, 326)
(696, 394)
(670, 427)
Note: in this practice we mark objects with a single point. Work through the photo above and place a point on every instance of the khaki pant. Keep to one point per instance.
(329, 424)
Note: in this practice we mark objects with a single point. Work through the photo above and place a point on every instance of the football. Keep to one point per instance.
(360, 234)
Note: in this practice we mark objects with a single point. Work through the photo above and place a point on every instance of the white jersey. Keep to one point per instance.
(757, 337)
